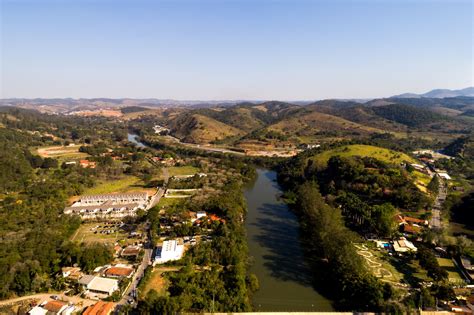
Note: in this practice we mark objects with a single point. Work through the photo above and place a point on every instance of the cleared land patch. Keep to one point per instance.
(379, 153)
(126, 184)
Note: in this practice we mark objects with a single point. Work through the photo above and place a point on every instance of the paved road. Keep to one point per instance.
(435, 221)
(156, 198)
(137, 276)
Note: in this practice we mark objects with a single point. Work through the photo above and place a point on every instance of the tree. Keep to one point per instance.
(383, 219)
(433, 185)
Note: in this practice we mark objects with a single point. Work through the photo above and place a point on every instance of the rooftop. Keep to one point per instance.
(99, 308)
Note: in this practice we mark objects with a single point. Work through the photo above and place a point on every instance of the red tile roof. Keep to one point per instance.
(119, 271)
(54, 306)
(100, 308)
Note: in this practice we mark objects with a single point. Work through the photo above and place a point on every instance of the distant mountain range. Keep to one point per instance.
(439, 93)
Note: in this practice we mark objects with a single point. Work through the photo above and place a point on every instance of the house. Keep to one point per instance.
(58, 307)
(200, 214)
(52, 307)
(119, 272)
(402, 245)
(100, 308)
(411, 229)
(130, 252)
(99, 285)
(169, 251)
(412, 220)
(444, 175)
(87, 164)
(72, 273)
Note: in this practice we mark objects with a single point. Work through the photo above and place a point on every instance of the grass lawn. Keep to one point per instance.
(182, 170)
(156, 282)
(128, 183)
(167, 202)
(383, 154)
(448, 265)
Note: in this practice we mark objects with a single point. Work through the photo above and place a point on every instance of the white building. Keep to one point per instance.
(169, 251)
(108, 205)
(403, 245)
(99, 285)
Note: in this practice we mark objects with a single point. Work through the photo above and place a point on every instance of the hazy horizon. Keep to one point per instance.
(234, 50)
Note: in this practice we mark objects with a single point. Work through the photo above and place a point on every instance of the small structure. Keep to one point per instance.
(444, 175)
(169, 251)
(402, 245)
(52, 307)
(201, 214)
(87, 164)
(100, 308)
(72, 273)
(130, 252)
(119, 272)
(99, 285)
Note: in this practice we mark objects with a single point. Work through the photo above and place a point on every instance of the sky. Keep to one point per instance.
(234, 50)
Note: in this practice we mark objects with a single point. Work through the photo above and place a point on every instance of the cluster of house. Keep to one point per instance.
(56, 307)
(102, 283)
(52, 307)
(410, 225)
(160, 130)
(400, 245)
(108, 205)
(201, 217)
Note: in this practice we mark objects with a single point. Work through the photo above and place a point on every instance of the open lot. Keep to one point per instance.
(104, 233)
(60, 152)
(125, 184)
(182, 170)
(448, 265)
(156, 282)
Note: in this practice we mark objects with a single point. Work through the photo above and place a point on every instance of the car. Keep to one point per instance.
(54, 297)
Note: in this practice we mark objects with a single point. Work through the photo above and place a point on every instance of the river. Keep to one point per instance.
(277, 258)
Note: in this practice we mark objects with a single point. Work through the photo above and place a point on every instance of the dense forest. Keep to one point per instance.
(33, 192)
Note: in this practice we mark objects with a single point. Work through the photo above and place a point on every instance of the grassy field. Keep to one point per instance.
(448, 265)
(383, 154)
(182, 170)
(156, 282)
(168, 202)
(60, 152)
(126, 184)
(421, 180)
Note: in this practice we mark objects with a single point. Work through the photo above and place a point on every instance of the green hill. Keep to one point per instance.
(379, 153)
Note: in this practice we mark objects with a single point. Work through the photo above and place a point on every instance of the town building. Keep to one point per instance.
(108, 205)
(100, 308)
(87, 164)
(72, 273)
(119, 272)
(99, 285)
(130, 252)
(402, 245)
(52, 308)
(170, 250)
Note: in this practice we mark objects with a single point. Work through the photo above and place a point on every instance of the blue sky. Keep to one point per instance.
(247, 49)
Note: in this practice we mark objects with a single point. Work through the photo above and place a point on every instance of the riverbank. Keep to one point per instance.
(277, 257)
